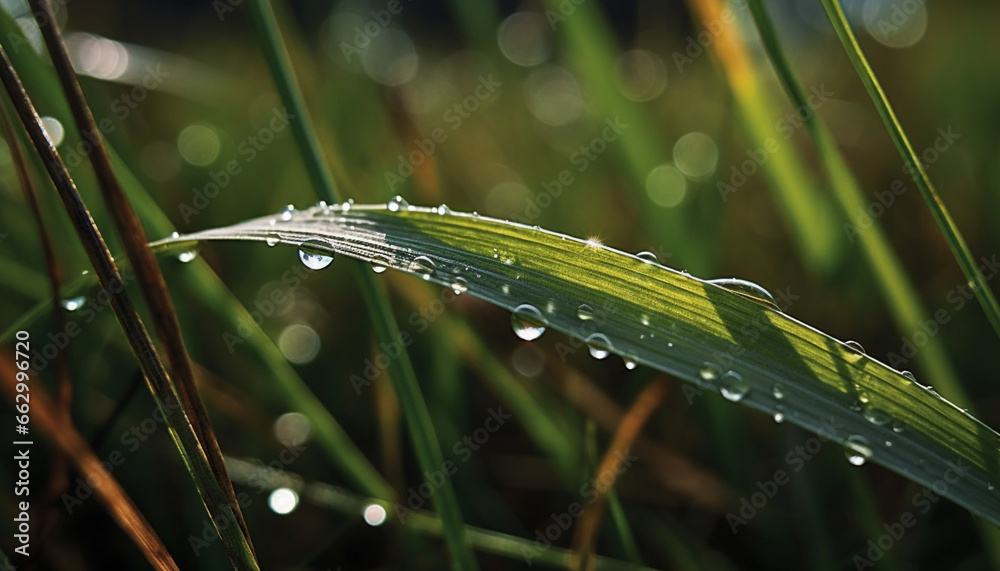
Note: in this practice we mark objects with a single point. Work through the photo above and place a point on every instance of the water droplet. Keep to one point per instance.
(74, 303)
(599, 345)
(708, 373)
(460, 286)
(897, 426)
(779, 414)
(876, 416)
(374, 515)
(990, 487)
(630, 362)
(423, 266)
(379, 263)
(550, 306)
(175, 234)
(505, 289)
(443, 209)
(909, 376)
(271, 239)
(857, 450)
(648, 257)
(321, 208)
(527, 322)
(397, 203)
(747, 289)
(585, 312)
(315, 254)
(346, 206)
(777, 393)
(286, 212)
(888, 443)
(855, 351)
(188, 255)
(733, 387)
(644, 319)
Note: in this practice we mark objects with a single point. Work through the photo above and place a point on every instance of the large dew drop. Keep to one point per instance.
(585, 312)
(314, 254)
(379, 263)
(648, 257)
(733, 387)
(188, 255)
(397, 203)
(599, 345)
(527, 322)
(749, 290)
(857, 450)
(855, 352)
(423, 267)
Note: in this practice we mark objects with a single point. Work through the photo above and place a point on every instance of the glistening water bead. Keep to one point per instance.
(397, 203)
(423, 267)
(379, 263)
(313, 255)
(857, 450)
(747, 289)
(733, 387)
(599, 345)
(527, 322)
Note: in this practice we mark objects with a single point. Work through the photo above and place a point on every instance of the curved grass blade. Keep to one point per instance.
(693, 329)
(952, 235)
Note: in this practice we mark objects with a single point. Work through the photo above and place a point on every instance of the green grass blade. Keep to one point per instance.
(799, 197)
(404, 380)
(485, 540)
(897, 291)
(952, 235)
(676, 323)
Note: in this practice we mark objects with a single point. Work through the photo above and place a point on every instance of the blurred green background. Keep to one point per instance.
(612, 120)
